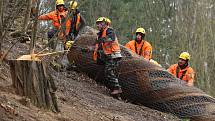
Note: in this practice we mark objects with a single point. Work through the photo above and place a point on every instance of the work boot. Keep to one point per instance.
(116, 91)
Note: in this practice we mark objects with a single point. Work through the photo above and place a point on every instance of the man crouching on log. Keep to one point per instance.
(107, 53)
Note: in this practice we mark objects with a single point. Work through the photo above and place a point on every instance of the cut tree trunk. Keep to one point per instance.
(30, 79)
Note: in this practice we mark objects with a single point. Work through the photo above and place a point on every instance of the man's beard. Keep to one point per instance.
(183, 66)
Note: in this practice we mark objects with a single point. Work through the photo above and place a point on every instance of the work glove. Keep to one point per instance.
(68, 44)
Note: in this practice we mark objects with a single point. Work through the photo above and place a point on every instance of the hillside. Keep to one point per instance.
(79, 99)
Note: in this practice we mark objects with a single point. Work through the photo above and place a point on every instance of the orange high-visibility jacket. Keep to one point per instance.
(186, 74)
(143, 49)
(56, 19)
(109, 46)
(77, 21)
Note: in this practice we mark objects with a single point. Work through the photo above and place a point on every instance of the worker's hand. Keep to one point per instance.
(68, 44)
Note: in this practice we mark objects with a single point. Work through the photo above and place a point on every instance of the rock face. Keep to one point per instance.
(145, 83)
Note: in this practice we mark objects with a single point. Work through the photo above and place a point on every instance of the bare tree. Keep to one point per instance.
(1, 22)
(34, 32)
(27, 15)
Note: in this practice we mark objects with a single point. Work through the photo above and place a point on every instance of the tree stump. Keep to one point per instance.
(30, 79)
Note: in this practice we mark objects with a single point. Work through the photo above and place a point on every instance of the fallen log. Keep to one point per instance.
(145, 83)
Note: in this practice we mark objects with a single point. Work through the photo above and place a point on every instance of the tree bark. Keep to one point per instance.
(34, 32)
(30, 79)
(1, 23)
(27, 15)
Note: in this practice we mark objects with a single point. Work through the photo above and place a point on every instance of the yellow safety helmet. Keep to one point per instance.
(101, 19)
(141, 30)
(184, 56)
(108, 21)
(59, 2)
(73, 5)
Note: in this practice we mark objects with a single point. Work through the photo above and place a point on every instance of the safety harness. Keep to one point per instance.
(177, 71)
(141, 49)
(75, 20)
(62, 22)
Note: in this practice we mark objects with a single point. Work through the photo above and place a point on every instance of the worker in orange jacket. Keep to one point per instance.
(107, 52)
(77, 21)
(182, 70)
(58, 18)
(139, 45)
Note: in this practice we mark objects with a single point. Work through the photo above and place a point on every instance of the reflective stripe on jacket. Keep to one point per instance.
(108, 41)
(186, 74)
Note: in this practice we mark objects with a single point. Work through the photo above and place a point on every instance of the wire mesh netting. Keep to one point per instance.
(145, 83)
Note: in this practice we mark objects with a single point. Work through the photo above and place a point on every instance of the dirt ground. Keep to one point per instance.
(79, 99)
